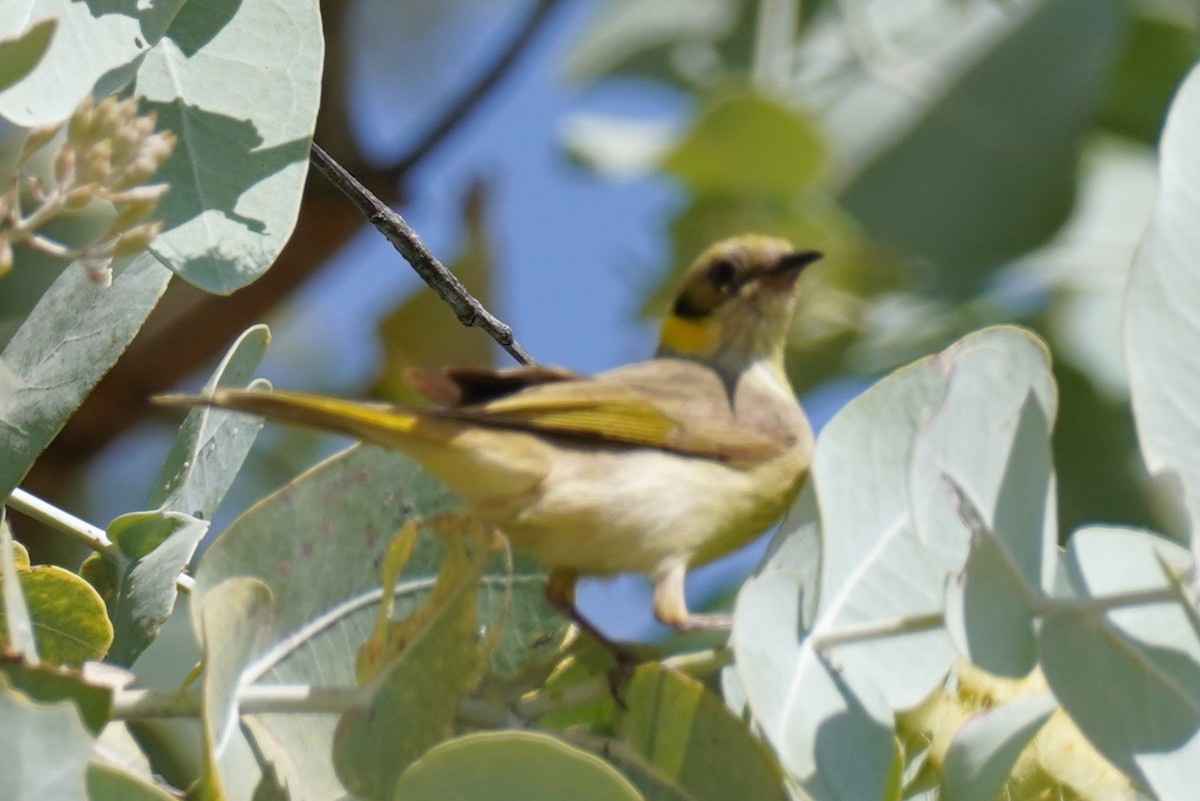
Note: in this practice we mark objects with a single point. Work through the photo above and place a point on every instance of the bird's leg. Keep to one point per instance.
(670, 606)
(560, 593)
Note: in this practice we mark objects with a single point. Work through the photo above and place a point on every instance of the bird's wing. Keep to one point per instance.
(465, 386)
(670, 404)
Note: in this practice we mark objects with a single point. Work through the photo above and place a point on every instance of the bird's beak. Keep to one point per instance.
(785, 271)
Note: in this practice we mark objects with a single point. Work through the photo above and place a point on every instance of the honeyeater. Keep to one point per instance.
(649, 468)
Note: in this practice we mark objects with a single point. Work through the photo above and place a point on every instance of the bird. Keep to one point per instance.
(653, 467)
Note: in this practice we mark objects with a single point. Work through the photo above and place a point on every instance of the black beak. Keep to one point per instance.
(795, 262)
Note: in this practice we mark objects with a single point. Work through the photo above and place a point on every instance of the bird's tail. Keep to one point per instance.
(380, 423)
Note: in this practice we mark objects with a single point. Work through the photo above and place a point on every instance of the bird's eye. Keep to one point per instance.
(721, 274)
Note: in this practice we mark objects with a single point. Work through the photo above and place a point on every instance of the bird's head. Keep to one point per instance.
(735, 304)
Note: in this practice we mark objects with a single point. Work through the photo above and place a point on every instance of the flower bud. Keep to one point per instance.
(79, 197)
(136, 239)
(64, 165)
(97, 162)
(80, 121)
(37, 138)
(135, 205)
(105, 120)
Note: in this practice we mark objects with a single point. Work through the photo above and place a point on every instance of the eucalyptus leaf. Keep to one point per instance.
(875, 569)
(1129, 678)
(512, 766)
(230, 621)
(992, 605)
(633, 34)
(212, 443)
(20, 54)
(43, 748)
(47, 684)
(69, 620)
(238, 84)
(747, 144)
(990, 612)
(1162, 308)
(109, 783)
(987, 170)
(14, 612)
(317, 543)
(987, 746)
(969, 442)
(88, 45)
(795, 693)
(432, 658)
(153, 548)
(696, 747)
(65, 346)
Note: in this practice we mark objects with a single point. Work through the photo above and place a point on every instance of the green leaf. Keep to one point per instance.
(238, 84)
(1158, 52)
(1130, 679)
(212, 443)
(154, 549)
(69, 341)
(988, 170)
(231, 621)
(110, 783)
(70, 622)
(437, 658)
(43, 749)
(987, 746)
(874, 568)
(972, 439)
(88, 47)
(15, 621)
(992, 606)
(20, 54)
(748, 144)
(317, 544)
(625, 35)
(512, 766)
(696, 748)
(48, 684)
(1162, 308)
(794, 695)
(990, 611)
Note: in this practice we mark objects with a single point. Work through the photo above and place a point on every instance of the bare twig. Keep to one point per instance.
(460, 108)
(469, 310)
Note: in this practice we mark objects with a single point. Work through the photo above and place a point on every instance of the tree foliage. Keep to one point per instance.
(939, 616)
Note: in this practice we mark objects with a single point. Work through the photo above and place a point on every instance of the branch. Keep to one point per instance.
(50, 515)
(469, 310)
(461, 108)
(80, 530)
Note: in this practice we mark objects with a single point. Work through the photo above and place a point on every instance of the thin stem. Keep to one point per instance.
(1100, 604)
(43, 512)
(462, 106)
(539, 704)
(49, 246)
(876, 629)
(699, 663)
(254, 699)
(468, 308)
(79, 530)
